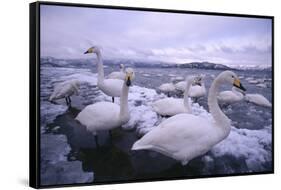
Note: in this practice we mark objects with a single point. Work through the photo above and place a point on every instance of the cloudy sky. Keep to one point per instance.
(67, 32)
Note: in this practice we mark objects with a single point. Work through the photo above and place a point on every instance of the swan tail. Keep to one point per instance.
(139, 146)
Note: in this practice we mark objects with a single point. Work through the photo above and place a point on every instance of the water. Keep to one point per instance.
(246, 150)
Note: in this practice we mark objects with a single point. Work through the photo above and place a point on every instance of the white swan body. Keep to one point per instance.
(65, 90)
(230, 97)
(185, 136)
(173, 106)
(167, 87)
(181, 86)
(111, 87)
(258, 99)
(118, 74)
(106, 115)
(198, 91)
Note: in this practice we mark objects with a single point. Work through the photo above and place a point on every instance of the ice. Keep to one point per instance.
(50, 111)
(84, 77)
(252, 145)
(55, 169)
(62, 173)
(54, 148)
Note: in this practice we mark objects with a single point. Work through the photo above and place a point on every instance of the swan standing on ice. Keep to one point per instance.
(230, 97)
(106, 115)
(167, 88)
(173, 106)
(198, 90)
(111, 87)
(65, 90)
(118, 74)
(186, 136)
(258, 99)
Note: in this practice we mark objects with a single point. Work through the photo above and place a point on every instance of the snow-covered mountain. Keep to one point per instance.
(85, 63)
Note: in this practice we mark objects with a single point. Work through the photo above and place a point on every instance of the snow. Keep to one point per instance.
(252, 145)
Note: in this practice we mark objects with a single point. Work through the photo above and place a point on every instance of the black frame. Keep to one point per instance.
(34, 90)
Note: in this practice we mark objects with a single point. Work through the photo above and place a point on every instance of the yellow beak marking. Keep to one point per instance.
(237, 82)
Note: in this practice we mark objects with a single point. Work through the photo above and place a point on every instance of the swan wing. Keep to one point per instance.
(112, 87)
(116, 75)
(197, 91)
(182, 137)
(258, 99)
(100, 116)
(169, 106)
(62, 90)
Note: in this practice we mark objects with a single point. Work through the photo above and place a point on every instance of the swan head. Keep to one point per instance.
(130, 76)
(191, 79)
(122, 66)
(93, 49)
(199, 80)
(233, 79)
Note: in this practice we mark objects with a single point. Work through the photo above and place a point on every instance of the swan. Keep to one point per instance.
(106, 115)
(167, 87)
(186, 136)
(111, 87)
(181, 86)
(230, 97)
(118, 74)
(198, 90)
(258, 99)
(173, 106)
(65, 90)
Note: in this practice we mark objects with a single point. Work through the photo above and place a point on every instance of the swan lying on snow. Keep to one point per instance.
(258, 99)
(111, 87)
(230, 97)
(198, 90)
(186, 136)
(180, 86)
(118, 74)
(173, 106)
(65, 90)
(167, 87)
(106, 115)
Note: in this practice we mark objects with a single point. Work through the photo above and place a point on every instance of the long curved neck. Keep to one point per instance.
(221, 120)
(124, 113)
(185, 96)
(100, 68)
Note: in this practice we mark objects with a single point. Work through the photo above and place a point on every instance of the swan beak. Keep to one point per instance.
(238, 84)
(128, 82)
(90, 50)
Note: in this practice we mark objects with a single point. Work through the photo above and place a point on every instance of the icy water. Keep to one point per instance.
(69, 153)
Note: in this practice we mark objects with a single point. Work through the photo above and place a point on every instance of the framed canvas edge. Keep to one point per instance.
(34, 92)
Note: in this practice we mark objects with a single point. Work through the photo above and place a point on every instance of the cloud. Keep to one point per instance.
(66, 32)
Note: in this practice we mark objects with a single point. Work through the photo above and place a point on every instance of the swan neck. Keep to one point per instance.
(124, 112)
(100, 68)
(221, 120)
(185, 96)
